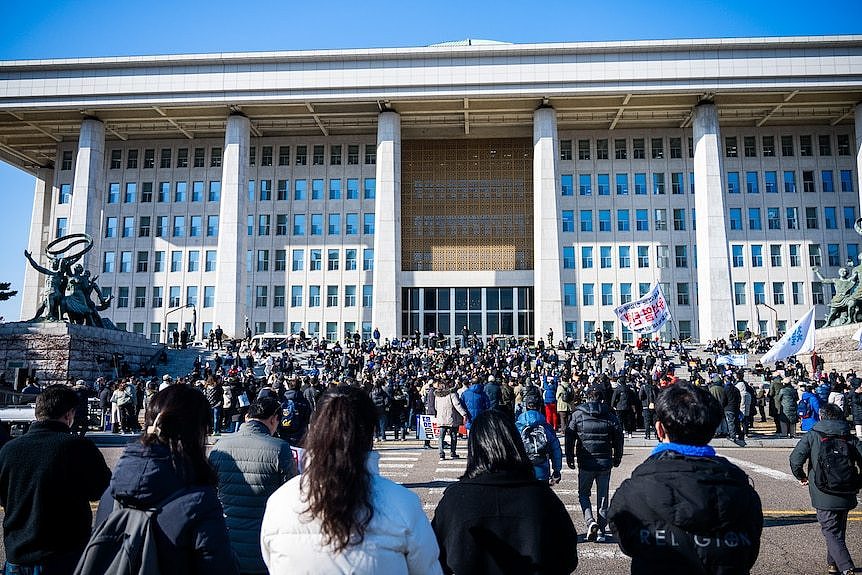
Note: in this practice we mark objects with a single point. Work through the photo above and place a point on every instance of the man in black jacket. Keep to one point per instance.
(832, 505)
(594, 433)
(685, 510)
(47, 479)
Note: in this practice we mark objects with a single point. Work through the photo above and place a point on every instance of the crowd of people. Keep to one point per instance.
(249, 507)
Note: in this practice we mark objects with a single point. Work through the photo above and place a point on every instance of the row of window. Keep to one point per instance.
(623, 218)
(791, 217)
(279, 261)
(126, 298)
(624, 257)
(284, 225)
(167, 157)
(677, 183)
(180, 191)
(659, 148)
(683, 293)
(815, 259)
(313, 329)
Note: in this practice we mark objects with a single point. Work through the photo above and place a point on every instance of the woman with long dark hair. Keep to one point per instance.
(168, 468)
(498, 518)
(341, 516)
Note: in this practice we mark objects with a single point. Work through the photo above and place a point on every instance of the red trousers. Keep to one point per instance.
(551, 415)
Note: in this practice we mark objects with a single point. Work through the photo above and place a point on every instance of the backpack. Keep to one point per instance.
(839, 466)
(804, 409)
(535, 443)
(125, 543)
(289, 414)
(568, 395)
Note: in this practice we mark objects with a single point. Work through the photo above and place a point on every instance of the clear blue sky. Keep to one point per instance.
(63, 29)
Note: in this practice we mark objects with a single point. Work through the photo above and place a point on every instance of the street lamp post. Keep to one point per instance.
(170, 311)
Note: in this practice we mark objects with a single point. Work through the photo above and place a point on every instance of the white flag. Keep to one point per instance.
(857, 337)
(798, 339)
(647, 314)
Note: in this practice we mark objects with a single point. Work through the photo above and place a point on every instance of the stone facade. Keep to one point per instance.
(838, 350)
(60, 351)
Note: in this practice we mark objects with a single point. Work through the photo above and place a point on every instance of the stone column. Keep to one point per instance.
(547, 281)
(715, 303)
(88, 188)
(386, 301)
(231, 276)
(859, 152)
(41, 232)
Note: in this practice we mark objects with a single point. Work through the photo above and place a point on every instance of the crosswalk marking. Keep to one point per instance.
(396, 465)
(761, 470)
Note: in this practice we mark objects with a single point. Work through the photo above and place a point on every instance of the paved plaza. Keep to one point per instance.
(791, 541)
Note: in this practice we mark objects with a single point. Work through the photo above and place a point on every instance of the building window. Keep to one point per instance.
(315, 260)
(180, 192)
(263, 260)
(759, 293)
(642, 220)
(125, 262)
(657, 148)
(768, 146)
(824, 144)
(607, 294)
(625, 260)
(658, 188)
(182, 157)
(775, 255)
(833, 255)
(295, 296)
(349, 259)
(570, 295)
(605, 260)
(811, 218)
(739, 293)
(756, 256)
(165, 158)
(370, 154)
(751, 183)
(773, 218)
(640, 184)
(735, 218)
(643, 257)
(566, 185)
(568, 257)
(778, 293)
(795, 260)
(622, 181)
(796, 292)
(66, 162)
(754, 221)
(586, 220)
(814, 255)
(770, 181)
(583, 149)
(367, 259)
(730, 147)
(158, 292)
(623, 224)
(301, 157)
(368, 224)
(588, 294)
(828, 182)
(586, 257)
(733, 182)
(678, 220)
(333, 225)
(681, 256)
(565, 150)
(260, 296)
(737, 259)
(123, 297)
(789, 182)
(638, 149)
(332, 259)
(805, 146)
(682, 297)
(284, 155)
(604, 220)
(749, 146)
(620, 149)
(331, 296)
(108, 259)
(602, 149)
(660, 219)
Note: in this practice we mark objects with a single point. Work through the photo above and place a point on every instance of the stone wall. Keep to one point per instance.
(59, 351)
(838, 350)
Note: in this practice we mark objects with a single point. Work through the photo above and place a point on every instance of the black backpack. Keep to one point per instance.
(839, 465)
(125, 543)
(568, 394)
(535, 443)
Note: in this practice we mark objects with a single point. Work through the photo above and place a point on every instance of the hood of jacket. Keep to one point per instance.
(530, 417)
(696, 494)
(594, 408)
(145, 475)
(832, 427)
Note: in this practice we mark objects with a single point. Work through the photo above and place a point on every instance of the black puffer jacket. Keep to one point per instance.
(855, 398)
(734, 398)
(595, 436)
(687, 516)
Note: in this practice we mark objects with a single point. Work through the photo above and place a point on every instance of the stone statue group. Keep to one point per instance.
(846, 304)
(69, 289)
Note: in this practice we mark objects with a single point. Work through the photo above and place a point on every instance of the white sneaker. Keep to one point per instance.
(592, 531)
(600, 537)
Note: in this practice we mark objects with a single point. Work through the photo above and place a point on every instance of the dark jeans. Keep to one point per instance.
(453, 439)
(833, 524)
(732, 425)
(649, 422)
(382, 421)
(59, 564)
(602, 480)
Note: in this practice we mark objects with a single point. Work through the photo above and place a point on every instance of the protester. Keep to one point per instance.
(856, 407)
(475, 401)
(498, 519)
(787, 400)
(340, 515)
(251, 464)
(596, 437)
(167, 467)
(540, 443)
(685, 510)
(47, 479)
(450, 416)
(834, 477)
(808, 408)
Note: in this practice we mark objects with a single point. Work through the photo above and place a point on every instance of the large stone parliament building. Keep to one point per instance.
(512, 188)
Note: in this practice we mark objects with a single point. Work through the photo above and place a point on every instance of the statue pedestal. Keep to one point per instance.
(59, 351)
(836, 348)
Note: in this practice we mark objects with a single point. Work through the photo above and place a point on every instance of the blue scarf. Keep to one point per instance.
(682, 449)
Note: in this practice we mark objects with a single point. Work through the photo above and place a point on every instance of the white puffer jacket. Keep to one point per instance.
(398, 540)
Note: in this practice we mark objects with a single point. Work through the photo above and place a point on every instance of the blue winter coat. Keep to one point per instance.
(806, 423)
(192, 535)
(543, 471)
(475, 401)
(549, 390)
